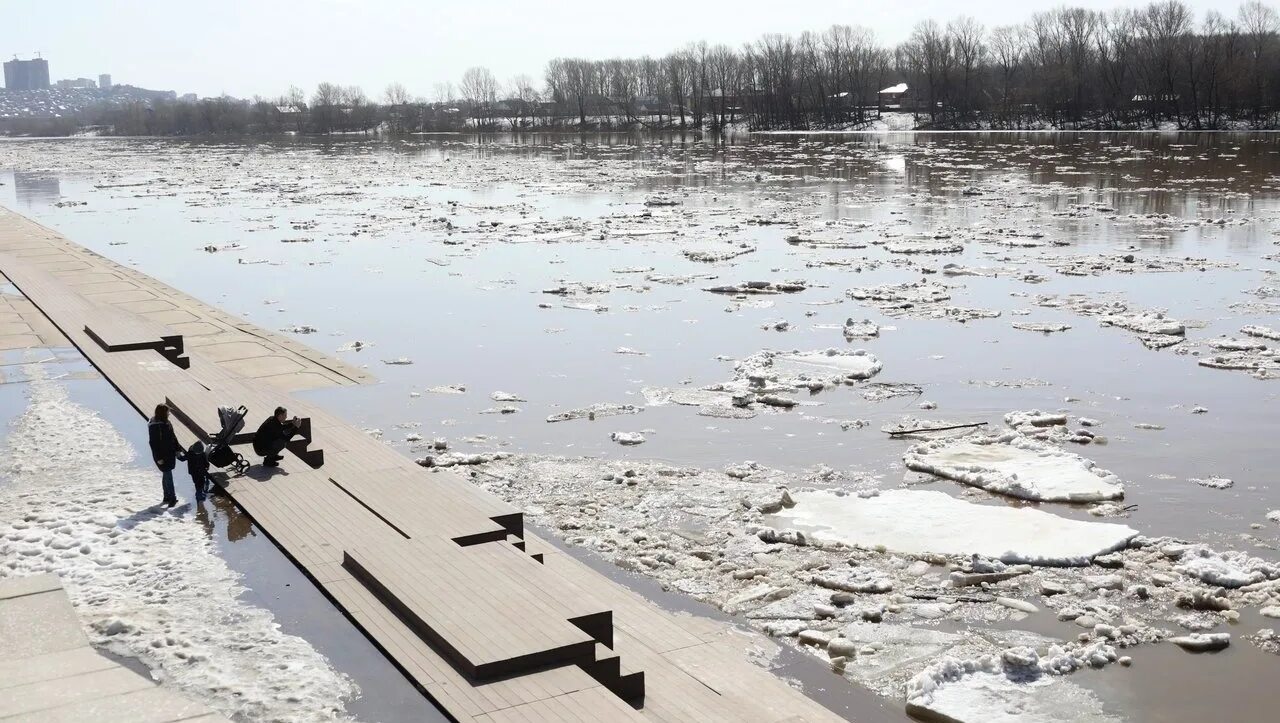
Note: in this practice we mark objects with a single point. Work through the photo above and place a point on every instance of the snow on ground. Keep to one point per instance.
(1018, 467)
(928, 521)
(146, 582)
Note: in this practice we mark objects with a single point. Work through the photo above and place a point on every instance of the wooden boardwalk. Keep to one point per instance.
(49, 673)
(491, 622)
(229, 342)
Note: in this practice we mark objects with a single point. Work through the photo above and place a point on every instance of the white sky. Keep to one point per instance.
(248, 47)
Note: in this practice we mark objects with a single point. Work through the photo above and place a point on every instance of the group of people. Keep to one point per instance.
(269, 442)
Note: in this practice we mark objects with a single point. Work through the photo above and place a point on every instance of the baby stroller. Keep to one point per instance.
(219, 451)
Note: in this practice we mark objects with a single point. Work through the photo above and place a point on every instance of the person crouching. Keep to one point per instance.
(273, 436)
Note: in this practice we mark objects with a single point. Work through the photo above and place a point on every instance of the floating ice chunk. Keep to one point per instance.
(627, 438)
(1225, 569)
(1261, 364)
(595, 410)
(453, 459)
(1202, 642)
(924, 247)
(659, 396)
(1228, 344)
(898, 647)
(400, 361)
(1018, 467)
(995, 695)
(811, 370)
(721, 252)
(1217, 483)
(1146, 323)
(1041, 327)
(865, 329)
(507, 397)
(854, 365)
(928, 521)
(1262, 332)
(898, 298)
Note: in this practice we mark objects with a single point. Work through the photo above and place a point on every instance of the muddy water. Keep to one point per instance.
(403, 255)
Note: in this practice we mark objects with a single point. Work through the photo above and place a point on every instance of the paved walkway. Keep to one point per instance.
(226, 341)
(50, 674)
(491, 622)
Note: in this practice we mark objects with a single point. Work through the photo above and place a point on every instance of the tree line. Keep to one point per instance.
(1073, 67)
(1151, 66)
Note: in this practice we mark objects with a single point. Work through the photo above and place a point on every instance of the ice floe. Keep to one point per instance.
(1016, 466)
(928, 521)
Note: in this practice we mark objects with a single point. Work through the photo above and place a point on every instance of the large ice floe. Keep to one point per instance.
(147, 583)
(1013, 465)
(928, 521)
(1017, 686)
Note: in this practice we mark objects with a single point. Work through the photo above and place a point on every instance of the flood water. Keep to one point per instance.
(440, 251)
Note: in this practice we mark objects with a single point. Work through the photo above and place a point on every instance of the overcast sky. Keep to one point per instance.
(248, 47)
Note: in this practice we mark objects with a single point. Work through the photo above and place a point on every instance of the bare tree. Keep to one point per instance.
(969, 50)
(929, 58)
(480, 89)
(1008, 53)
(325, 106)
(396, 100)
(1258, 25)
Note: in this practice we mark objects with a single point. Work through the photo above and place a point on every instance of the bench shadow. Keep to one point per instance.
(263, 474)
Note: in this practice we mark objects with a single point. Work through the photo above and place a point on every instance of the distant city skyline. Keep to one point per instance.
(262, 47)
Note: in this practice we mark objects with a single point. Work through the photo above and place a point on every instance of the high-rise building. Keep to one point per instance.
(104, 81)
(26, 74)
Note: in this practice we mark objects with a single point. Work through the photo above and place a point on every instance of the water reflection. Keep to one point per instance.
(33, 189)
(217, 507)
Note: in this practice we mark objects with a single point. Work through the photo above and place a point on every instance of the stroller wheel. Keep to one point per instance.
(241, 464)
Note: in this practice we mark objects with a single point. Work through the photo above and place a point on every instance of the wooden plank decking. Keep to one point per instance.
(233, 343)
(492, 623)
(49, 672)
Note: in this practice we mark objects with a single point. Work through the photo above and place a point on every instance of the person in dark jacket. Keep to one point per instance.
(273, 436)
(165, 450)
(198, 468)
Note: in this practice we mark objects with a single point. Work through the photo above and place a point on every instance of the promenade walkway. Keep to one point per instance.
(491, 622)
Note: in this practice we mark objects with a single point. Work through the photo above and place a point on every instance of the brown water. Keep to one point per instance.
(464, 302)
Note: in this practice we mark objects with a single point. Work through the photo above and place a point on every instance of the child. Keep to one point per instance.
(198, 467)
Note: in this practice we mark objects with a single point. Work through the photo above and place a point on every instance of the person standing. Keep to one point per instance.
(198, 467)
(165, 451)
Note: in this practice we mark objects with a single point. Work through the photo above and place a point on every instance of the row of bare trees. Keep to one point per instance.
(1149, 66)
(1128, 67)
